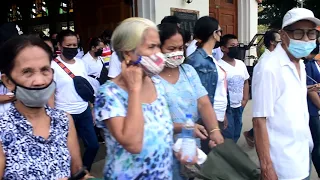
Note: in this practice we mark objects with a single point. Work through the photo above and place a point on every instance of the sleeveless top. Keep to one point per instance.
(33, 157)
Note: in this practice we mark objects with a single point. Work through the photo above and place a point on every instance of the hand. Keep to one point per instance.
(87, 176)
(244, 103)
(225, 122)
(200, 132)
(215, 139)
(132, 76)
(184, 160)
(9, 98)
(269, 174)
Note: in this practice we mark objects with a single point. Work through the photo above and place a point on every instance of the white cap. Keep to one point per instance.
(298, 14)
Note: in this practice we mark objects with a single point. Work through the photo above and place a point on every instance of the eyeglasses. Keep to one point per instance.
(298, 34)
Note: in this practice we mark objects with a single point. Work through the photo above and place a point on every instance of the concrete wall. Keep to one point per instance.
(163, 7)
(247, 24)
(156, 10)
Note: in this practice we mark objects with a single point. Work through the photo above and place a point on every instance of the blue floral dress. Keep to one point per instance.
(33, 157)
(155, 160)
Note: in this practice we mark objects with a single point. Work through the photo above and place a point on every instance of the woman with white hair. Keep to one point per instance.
(132, 109)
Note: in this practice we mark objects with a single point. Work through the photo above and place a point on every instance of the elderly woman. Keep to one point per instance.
(36, 142)
(132, 109)
(184, 91)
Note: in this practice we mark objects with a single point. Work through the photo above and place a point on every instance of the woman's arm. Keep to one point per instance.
(129, 130)
(73, 147)
(209, 119)
(2, 162)
(207, 113)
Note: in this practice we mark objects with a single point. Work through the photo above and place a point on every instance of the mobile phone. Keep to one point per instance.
(78, 175)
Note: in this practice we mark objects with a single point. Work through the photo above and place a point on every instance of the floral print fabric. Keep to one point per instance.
(33, 157)
(155, 159)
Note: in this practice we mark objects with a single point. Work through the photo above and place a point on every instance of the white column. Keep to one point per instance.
(146, 9)
(248, 24)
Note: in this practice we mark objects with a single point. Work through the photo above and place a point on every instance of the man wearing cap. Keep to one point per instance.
(281, 118)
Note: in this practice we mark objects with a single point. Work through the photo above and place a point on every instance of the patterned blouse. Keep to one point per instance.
(155, 160)
(33, 157)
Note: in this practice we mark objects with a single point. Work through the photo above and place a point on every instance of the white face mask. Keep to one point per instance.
(174, 59)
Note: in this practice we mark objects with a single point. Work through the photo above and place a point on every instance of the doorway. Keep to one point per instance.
(226, 12)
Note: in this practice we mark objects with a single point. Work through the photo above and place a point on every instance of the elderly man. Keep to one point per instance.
(281, 118)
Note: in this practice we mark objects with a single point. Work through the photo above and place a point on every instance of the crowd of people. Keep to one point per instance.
(137, 83)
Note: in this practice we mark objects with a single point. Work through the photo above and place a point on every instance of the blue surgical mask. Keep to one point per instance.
(300, 49)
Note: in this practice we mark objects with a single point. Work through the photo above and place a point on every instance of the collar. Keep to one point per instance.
(283, 56)
(202, 52)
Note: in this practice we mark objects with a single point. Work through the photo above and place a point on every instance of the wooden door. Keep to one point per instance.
(226, 11)
(92, 17)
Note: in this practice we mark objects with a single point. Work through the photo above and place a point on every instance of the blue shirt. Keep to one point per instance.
(182, 97)
(313, 72)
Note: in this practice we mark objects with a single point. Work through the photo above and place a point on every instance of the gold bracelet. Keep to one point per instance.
(215, 129)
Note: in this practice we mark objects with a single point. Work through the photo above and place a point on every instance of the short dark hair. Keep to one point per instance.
(226, 38)
(168, 30)
(204, 28)
(10, 50)
(171, 19)
(94, 42)
(187, 36)
(65, 33)
(268, 37)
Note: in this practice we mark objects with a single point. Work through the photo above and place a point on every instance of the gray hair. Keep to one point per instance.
(130, 34)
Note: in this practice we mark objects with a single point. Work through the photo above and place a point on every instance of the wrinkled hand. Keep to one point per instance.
(215, 139)
(184, 160)
(314, 88)
(132, 76)
(200, 131)
(269, 174)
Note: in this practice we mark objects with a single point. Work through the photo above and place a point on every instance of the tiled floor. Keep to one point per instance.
(97, 169)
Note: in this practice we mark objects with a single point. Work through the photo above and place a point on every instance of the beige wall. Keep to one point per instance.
(156, 10)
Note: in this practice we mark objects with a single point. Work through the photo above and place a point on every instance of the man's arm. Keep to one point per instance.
(245, 93)
(263, 148)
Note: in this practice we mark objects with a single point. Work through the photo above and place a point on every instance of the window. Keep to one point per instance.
(65, 5)
(39, 9)
(14, 13)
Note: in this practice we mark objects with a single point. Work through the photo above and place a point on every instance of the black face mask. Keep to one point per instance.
(233, 52)
(98, 53)
(69, 53)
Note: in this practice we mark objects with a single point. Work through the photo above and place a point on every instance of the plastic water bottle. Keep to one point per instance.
(189, 145)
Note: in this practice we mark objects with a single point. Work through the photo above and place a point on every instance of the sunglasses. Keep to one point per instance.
(298, 34)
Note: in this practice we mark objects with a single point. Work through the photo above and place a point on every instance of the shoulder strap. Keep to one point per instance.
(64, 68)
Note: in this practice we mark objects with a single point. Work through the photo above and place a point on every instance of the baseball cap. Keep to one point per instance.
(298, 14)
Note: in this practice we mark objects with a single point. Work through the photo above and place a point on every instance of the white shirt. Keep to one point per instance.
(94, 67)
(115, 66)
(257, 68)
(66, 97)
(281, 96)
(236, 75)
(220, 96)
(80, 53)
(217, 53)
